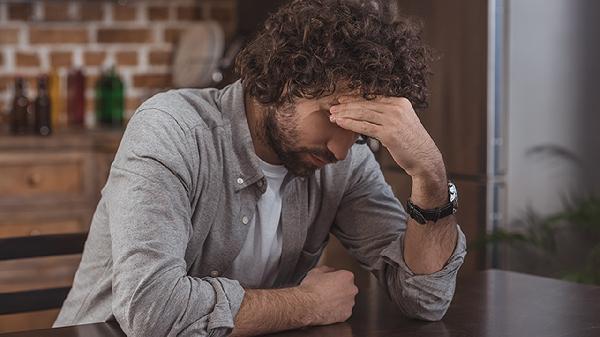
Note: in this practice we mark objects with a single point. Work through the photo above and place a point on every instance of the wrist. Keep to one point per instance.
(430, 189)
(307, 315)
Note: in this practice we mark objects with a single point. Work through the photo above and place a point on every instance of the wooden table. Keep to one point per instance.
(492, 303)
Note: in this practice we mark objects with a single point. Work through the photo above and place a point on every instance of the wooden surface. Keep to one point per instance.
(487, 304)
(48, 185)
(102, 140)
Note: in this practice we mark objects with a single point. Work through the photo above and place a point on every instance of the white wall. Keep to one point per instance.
(553, 97)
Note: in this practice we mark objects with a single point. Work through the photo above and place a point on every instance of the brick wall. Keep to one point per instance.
(137, 36)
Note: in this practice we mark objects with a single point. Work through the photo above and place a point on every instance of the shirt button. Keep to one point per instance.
(214, 273)
(240, 181)
(245, 220)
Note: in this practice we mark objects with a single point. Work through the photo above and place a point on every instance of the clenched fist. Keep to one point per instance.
(332, 293)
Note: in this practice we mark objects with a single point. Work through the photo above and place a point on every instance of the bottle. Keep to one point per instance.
(56, 102)
(110, 99)
(117, 98)
(42, 106)
(19, 115)
(76, 97)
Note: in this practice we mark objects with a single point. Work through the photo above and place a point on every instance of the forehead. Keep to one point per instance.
(326, 101)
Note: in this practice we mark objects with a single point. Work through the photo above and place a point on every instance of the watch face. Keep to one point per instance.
(453, 193)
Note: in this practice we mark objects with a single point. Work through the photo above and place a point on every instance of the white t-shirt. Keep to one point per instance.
(257, 264)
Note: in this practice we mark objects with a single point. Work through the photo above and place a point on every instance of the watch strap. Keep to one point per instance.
(434, 214)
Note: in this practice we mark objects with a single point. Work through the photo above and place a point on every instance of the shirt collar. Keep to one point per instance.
(231, 101)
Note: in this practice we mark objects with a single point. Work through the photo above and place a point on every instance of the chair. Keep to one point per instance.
(37, 246)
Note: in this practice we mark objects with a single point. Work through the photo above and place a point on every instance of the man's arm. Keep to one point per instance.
(428, 247)
(271, 310)
(371, 224)
(149, 215)
(325, 296)
(393, 121)
(416, 264)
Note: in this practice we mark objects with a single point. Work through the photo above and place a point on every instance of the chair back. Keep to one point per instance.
(31, 247)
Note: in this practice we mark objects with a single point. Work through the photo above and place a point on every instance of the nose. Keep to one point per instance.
(341, 142)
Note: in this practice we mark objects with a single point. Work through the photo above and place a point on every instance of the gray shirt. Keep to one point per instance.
(171, 221)
(258, 262)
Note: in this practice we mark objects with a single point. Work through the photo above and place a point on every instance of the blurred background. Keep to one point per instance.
(515, 110)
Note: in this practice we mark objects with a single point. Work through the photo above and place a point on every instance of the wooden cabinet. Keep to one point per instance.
(39, 177)
(457, 117)
(48, 186)
(39, 222)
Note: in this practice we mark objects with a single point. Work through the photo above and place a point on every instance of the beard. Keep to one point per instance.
(282, 135)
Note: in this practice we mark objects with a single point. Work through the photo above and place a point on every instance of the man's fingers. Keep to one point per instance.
(367, 115)
(377, 107)
(360, 127)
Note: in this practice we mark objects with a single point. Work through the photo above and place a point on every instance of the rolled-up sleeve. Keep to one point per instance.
(371, 222)
(425, 297)
(149, 210)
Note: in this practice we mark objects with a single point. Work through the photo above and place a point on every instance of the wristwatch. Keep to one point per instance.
(424, 215)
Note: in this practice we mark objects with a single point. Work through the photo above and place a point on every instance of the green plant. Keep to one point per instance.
(581, 217)
(538, 234)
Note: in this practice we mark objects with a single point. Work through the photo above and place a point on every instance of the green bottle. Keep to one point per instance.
(110, 99)
(117, 98)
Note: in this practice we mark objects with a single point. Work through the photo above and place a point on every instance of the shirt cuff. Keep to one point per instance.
(427, 296)
(394, 254)
(229, 295)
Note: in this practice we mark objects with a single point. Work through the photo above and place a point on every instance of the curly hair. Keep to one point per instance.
(309, 46)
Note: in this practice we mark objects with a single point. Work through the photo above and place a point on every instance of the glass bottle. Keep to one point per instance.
(117, 99)
(42, 106)
(19, 115)
(110, 99)
(56, 102)
(76, 97)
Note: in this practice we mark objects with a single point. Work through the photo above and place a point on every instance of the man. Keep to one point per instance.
(220, 202)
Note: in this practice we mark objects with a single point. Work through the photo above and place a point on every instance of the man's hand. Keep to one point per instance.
(393, 122)
(332, 292)
(325, 296)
